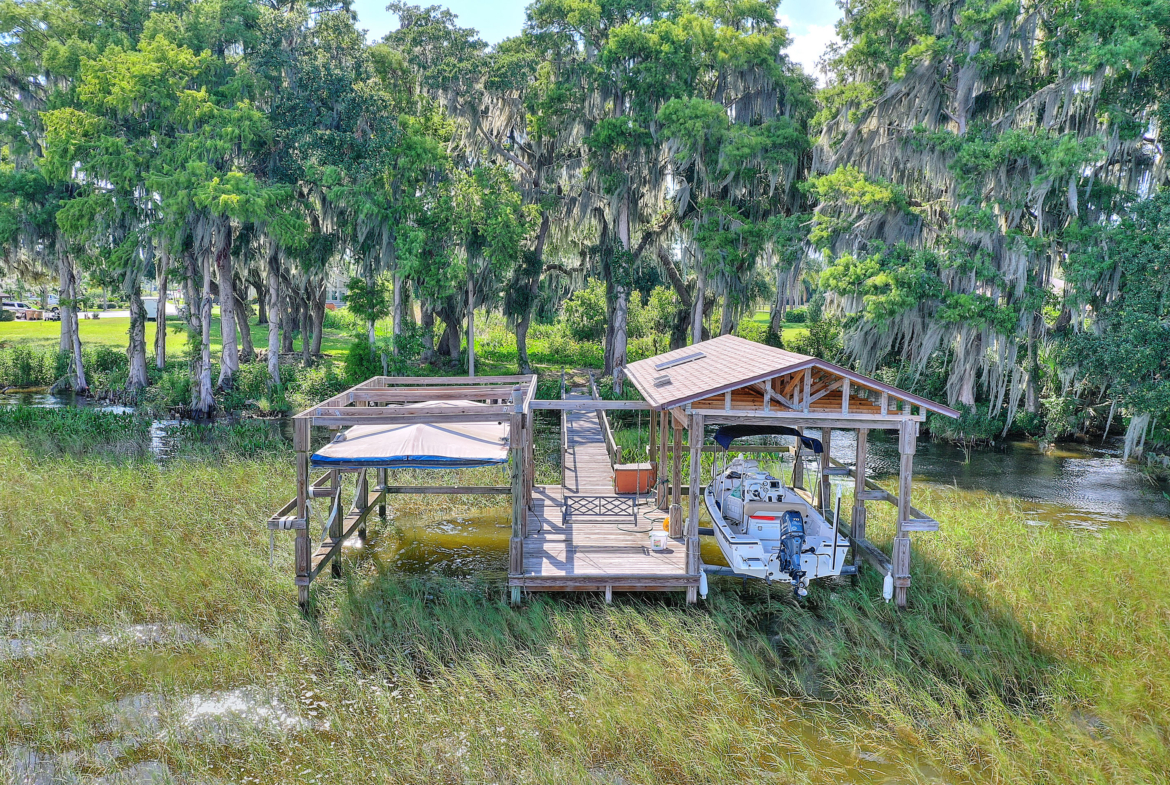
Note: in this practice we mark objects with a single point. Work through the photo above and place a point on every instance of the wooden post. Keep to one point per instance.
(676, 523)
(826, 486)
(695, 437)
(653, 450)
(382, 483)
(363, 501)
(857, 528)
(663, 461)
(516, 544)
(304, 554)
(335, 520)
(529, 459)
(797, 464)
(907, 445)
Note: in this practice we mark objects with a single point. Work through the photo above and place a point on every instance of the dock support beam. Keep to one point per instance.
(663, 460)
(383, 481)
(676, 522)
(857, 525)
(516, 438)
(907, 446)
(826, 448)
(695, 438)
(304, 556)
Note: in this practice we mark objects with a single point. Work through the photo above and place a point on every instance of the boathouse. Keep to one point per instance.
(584, 535)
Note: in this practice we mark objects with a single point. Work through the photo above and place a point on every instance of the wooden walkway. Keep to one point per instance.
(588, 471)
(595, 554)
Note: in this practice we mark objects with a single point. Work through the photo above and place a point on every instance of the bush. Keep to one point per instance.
(174, 388)
(7, 316)
(753, 331)
(585, 312)
(816, 307)
(1061, 417)
(796, 315)
(343, 320)
(362, 362)
(23, 366)
(1028, 423)
(822, 340)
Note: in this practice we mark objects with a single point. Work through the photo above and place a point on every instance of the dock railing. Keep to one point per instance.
(615, 453)
(564, 430)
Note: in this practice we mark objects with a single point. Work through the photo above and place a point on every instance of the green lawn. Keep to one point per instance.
(113, 332)
(789, 331)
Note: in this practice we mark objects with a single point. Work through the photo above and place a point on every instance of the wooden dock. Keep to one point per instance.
(600, 552)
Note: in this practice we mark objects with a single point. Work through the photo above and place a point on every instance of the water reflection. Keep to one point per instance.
(1073, 484)
(463, 546)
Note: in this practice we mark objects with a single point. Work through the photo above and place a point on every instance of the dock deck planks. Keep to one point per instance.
(593, 555)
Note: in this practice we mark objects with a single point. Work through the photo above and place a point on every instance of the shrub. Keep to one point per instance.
(173, 388)
(822, 340)
(23, 366)
(1061, 417)
(753, 331)
(343, 320)
(7, 316)
(585, 312)
(796, 315)
(361, 361)
(1029, 423)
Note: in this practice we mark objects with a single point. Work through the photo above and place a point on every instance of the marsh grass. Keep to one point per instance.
(1028, 654)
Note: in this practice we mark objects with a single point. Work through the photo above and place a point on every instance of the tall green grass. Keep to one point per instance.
(1027, 655)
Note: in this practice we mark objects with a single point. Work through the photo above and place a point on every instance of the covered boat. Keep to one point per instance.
(765, 528)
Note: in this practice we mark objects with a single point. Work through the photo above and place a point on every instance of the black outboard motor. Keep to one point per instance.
(791, 544)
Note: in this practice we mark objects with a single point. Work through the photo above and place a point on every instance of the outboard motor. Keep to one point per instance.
(791, 544)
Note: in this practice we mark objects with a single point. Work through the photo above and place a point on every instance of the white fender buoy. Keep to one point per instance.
(703, 585)
(888, 587)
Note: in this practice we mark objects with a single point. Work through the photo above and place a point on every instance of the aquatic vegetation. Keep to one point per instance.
(1028, 654)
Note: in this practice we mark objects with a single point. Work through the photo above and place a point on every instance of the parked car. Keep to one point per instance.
(22, 310)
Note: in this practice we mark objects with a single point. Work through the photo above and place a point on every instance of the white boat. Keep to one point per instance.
(764, 528)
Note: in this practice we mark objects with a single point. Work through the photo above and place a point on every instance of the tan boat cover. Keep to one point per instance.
(418, 446)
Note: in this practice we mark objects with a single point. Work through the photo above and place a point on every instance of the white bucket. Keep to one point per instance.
(658, 540)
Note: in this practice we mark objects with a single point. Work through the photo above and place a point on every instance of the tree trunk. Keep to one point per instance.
(243, 319)
(1032, 382)
(697, 316)
(70, 322)
(428, 333)
(470, 323)
(726, 325)
(230, 359)
(452, 335)
(190, 295)
(525, 318)
(204, 396)
(65, 305)
(256, 280)
(396, 328)
(136, 350)
(318, 319)
(288, 319)
(306, 330)
(274, 311)
(160, 319)
(621, 299)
